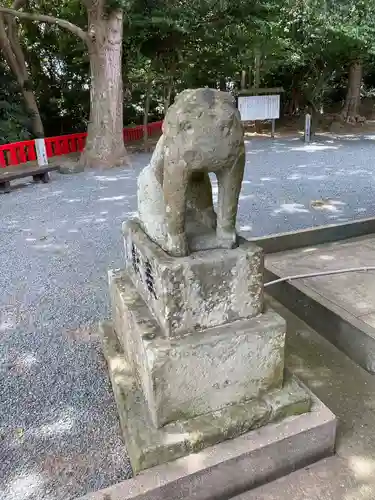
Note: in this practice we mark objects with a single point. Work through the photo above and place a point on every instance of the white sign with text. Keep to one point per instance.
(259, 107)
(41, 153)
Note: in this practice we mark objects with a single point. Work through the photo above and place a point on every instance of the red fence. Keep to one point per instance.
(21, 152)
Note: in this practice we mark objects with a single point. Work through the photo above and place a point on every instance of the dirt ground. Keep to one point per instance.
(287, 127)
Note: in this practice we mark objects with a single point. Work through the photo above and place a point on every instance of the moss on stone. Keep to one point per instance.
(148, 446)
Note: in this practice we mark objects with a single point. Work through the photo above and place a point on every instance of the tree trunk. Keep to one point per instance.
(36, 123)
(105, 140)
(353, 96)
(168, 95)
(223, 84)
(257, 60)
(13, 54)
(145, 115)
(243, 79)
(292, 107)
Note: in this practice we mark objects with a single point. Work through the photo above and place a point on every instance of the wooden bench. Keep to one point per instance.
(39, 174)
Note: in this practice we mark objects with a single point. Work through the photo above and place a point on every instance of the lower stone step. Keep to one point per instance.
(237, 465)
(329, 479)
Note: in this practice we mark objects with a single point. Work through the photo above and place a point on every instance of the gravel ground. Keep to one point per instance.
(59, 433)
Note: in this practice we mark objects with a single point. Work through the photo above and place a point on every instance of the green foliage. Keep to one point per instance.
(305, 46)
(317, 40)
(14, 121)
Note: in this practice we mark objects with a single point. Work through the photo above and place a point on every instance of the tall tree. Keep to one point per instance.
(14, 119)
(12, 50)
(103, 39)
(353, 24)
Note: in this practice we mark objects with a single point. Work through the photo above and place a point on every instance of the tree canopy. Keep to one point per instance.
(309, 47)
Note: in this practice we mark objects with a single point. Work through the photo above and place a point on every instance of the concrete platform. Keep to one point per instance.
(231, 467)
(349, 391)
(342, 306)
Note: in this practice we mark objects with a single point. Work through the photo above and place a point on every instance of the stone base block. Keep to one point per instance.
(205, 289)
(233, 467)
(148, 446)
(198, 373)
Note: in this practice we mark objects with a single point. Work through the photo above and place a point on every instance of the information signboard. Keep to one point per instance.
(259, 107)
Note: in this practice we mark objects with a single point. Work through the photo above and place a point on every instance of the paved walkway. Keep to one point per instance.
(349, 392)
(59, 429)
(351, 293)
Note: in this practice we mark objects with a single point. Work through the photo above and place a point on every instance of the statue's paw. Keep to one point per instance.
(178, 245)
(209, 218)
(227, 239)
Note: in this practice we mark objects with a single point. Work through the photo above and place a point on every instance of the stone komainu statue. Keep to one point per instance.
(202, 133)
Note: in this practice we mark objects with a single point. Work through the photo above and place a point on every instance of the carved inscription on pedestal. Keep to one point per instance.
(142, 269)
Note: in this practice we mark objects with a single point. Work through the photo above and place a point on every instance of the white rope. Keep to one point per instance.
(322, 273)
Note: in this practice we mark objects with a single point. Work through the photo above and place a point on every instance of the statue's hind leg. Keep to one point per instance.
(200, 199)
(230, 182)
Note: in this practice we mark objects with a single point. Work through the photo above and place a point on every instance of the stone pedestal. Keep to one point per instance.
(204, 289)
(198, 373)
(194, 357)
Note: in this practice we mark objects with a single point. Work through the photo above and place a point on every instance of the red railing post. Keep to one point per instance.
(3, 162)
(13, 158)
(21, 152)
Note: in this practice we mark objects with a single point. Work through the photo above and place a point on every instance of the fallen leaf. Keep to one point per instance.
(20, 432)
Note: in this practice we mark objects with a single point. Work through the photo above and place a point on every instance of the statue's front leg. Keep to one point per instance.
(230, 183)
(175, 186)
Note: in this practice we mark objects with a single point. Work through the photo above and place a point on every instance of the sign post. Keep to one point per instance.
(254, 106)
(307, 128)
(41, 153)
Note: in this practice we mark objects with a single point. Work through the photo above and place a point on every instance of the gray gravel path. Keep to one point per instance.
(59, 433)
